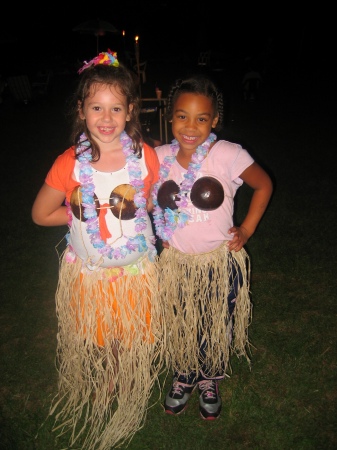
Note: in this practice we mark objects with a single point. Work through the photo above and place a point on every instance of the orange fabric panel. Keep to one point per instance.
(120, 315)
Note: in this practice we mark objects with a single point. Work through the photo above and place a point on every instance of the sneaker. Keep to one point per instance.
(177, 397)
(209, 399)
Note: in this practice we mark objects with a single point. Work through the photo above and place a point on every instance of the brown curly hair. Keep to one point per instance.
(107, 75)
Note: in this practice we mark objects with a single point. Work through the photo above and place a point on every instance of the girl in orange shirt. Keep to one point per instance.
(110, 336)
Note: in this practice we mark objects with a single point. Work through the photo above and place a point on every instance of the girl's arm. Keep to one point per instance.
(255, 177)
(48, 208)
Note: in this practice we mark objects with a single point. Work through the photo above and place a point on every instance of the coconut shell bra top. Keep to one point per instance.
(121, 203)
(207, 194)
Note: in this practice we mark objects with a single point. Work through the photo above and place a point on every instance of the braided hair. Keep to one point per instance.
(198, 84)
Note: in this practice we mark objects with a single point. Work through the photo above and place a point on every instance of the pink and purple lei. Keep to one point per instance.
(166, 222)
(135, 243)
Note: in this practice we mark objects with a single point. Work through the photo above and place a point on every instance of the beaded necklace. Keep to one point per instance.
(135, 243)
(166, 222)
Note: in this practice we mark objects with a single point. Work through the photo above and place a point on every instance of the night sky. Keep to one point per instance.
(167, 30)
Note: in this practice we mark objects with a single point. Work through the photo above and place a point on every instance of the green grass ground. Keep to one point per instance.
(288, 398)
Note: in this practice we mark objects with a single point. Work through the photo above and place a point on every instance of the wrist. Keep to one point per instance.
(247, 233)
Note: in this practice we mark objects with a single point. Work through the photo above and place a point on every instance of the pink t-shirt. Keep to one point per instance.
(207, 230)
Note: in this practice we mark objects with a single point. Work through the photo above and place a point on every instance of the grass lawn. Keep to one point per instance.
(287, 400)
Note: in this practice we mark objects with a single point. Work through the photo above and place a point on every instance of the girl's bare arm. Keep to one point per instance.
(255, 177)
(48, 208)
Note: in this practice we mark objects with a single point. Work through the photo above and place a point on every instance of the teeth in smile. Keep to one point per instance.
(189, 138)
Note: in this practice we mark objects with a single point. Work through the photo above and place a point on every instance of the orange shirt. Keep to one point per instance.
(61, 174)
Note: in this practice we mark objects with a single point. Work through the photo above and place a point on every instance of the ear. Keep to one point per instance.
(128, 116)
(80, 110)
(215, 121)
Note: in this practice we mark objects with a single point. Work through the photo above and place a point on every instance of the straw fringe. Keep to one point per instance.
(104, 390)
(204, 309)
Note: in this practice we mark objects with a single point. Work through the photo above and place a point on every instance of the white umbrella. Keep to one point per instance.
(96, 27)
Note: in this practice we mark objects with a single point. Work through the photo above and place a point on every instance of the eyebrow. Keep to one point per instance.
(199, 114)
(96, 102)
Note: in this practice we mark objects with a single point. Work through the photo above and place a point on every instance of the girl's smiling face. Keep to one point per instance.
(106, 112)
(193, 119)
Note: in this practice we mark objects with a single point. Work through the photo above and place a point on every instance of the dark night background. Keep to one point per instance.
(288, 400)
(301, 40)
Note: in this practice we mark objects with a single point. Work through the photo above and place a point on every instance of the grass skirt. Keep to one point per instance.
(110, 351)
(196, 309)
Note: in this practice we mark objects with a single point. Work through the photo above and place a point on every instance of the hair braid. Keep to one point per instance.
(197, 84)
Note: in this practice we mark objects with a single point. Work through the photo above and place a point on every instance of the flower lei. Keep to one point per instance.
(166, 222)
(108, 58)
(136, 243)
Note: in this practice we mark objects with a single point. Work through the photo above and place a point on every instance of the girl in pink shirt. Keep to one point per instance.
(205, 270)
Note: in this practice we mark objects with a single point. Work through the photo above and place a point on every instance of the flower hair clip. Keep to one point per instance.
(108, 58)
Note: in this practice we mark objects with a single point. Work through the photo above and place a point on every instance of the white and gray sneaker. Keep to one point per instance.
(209, 399)
(177, 397)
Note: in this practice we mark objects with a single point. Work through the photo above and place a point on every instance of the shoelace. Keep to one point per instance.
(208, 388)
(177, 388)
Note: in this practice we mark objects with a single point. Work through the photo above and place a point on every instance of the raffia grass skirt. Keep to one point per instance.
(196, 309)
(110, 351)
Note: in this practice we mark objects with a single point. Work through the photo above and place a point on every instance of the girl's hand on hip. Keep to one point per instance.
(240, 238)
(165, 244)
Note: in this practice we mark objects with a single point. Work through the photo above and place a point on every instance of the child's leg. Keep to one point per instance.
(113, 367)
(210, 402)
(189, 379)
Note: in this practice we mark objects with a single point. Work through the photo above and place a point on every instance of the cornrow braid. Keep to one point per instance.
(198, 84)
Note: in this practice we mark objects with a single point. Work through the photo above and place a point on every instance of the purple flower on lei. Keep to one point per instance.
(87, 189)
(167, 221)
